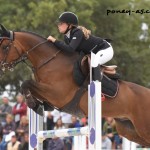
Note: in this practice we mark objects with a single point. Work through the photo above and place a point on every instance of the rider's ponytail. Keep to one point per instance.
(85, 31)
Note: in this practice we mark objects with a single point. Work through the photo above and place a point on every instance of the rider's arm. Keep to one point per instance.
(73, 45)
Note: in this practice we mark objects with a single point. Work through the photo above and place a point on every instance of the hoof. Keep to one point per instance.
(47, 107)
(39, 110)
(31, 104)
(30, 100)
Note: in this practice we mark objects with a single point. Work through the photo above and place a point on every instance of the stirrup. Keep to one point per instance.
(109, 69)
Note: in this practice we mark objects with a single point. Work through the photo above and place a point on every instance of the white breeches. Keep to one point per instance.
(102, 56)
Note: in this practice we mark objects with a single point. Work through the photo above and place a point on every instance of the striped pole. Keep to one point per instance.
(80, 142)
(42, 135)
(35, 125)
(94, 106)
(94, 110)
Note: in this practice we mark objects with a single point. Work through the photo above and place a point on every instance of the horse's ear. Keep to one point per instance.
(4, 31)
(0, 31)
(3, 28)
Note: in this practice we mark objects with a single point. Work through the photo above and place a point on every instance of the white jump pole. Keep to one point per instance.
(94, 111)
(42, 135)
(35, 125)
(95, 116)
(126, 144)
(79, 142)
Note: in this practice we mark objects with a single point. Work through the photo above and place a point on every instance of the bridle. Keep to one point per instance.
(4, 65)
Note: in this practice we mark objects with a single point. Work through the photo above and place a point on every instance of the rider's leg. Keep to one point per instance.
(102, 56)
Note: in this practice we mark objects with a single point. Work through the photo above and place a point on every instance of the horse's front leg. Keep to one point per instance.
(33, 98)
(28, 97)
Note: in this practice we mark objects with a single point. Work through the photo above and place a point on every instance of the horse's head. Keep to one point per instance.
(8, 52)
(16, 47)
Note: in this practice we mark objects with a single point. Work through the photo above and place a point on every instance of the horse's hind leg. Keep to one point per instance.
(142, 125)
(126, 129)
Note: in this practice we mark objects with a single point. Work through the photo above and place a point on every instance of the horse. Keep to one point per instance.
(54, 85)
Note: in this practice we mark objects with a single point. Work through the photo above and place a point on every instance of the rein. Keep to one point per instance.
(22, 58)
(31, 49)
(48, 60)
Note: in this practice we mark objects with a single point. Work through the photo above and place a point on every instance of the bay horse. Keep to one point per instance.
(54, 84)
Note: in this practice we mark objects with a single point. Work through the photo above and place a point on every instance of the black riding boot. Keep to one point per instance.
(96, 73)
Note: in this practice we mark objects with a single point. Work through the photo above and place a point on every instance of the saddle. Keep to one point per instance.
(85, 63)
(109, 76)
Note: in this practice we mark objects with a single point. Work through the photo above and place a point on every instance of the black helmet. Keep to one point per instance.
(68, 17)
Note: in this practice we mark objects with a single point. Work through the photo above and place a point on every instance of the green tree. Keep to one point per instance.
(130, 42)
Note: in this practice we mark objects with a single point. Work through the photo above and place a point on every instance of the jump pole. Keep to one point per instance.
(42, 135)
(37, 136)
(80, 142)
(35, 125)
(94, 108)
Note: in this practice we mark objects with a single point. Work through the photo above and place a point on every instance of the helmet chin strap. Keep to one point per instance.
(68, 28)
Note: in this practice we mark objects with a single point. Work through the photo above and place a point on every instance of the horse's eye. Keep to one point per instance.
(7, 48)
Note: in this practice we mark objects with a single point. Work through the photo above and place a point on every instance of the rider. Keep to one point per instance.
(78, 38)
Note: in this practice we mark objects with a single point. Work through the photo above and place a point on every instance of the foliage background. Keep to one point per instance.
(131, 40)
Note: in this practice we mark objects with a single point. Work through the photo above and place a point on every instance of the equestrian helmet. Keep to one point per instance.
(69, 18)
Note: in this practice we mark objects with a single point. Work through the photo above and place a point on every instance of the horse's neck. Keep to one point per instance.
(36, 53)
(44, 52)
